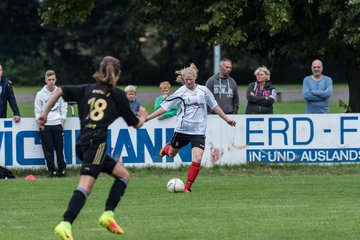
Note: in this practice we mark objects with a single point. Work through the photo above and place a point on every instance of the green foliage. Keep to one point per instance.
(343, 105)
(222, 25)
(77, 48)
(345, 18)
(20, 40)
(175, 33)
(172, 16)
(22, 68)
(278, 15)
(63, 12)
(287, 29)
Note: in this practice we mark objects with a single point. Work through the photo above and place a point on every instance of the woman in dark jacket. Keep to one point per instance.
(261, 95)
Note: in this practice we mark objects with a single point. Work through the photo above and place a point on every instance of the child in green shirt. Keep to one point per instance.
(165, 92)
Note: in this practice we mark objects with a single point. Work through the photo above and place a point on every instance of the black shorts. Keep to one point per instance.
(95, 160)
(180, 140)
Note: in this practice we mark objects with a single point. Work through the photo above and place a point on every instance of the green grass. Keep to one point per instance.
(27, 110)
(281, 87)
(33, 89)
(298, 107)
(247, 202)
(279, 108)
(252, 201)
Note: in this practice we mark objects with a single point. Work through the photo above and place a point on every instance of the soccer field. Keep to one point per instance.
(220, 207)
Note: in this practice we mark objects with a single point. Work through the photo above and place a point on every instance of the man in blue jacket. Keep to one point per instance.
(317, 89)
(7, 95)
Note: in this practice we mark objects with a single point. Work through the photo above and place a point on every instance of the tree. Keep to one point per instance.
(77, 48)
(285, 29)
(63, 12)
(277, 29)
(345, 31)
(112, 28)
(20, 38)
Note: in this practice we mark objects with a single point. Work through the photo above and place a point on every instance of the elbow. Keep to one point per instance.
(139, 125)
(141, 122)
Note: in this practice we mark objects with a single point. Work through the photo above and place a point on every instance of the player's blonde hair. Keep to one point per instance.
(165, 85)
(188, 70)
(130, 88)
(263, 69)
(109, 71)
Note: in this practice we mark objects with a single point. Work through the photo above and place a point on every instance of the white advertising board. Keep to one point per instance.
(298, 138)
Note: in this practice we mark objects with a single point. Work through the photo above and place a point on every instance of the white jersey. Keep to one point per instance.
(192, 110)
(57, 112)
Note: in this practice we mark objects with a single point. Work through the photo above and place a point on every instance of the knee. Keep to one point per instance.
(48, 154)
(126, 175)
(121, 172)
(172, 152)
(197, 159)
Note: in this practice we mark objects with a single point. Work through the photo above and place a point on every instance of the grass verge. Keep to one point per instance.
(254, 201)
(249, 169)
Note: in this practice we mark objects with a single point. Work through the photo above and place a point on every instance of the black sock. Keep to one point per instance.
(76, 203)
(116, 192)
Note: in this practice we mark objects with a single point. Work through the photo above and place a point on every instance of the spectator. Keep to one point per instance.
(261, 95)
(165, 91)
(51, 135)
(130, 92)
(191, 121)
(99, 105)
(224, 88)
(7, 95)
(317, 89)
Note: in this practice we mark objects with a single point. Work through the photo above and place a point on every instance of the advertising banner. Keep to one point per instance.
(298, 138)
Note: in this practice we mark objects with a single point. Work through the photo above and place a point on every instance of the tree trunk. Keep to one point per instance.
(353, 75)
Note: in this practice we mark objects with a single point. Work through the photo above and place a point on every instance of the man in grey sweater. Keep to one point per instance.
(224, 88)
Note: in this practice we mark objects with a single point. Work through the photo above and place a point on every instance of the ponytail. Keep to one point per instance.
(109, 71)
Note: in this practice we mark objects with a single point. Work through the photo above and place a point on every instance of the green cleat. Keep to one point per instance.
(63, 230)
(107, 221)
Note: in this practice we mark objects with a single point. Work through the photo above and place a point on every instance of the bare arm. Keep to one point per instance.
(142, 115)
(155, 114)
(220, 112)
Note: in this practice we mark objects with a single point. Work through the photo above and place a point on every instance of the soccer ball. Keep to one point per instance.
(175, 185)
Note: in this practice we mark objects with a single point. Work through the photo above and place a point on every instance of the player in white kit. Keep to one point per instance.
(191, 121)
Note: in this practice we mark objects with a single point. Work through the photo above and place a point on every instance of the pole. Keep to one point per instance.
(217, 54)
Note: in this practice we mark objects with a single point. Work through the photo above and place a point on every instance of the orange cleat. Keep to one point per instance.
(162, 151)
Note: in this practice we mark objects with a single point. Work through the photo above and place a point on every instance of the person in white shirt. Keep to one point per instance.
(51, 134)
(191, 121)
